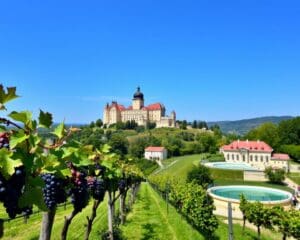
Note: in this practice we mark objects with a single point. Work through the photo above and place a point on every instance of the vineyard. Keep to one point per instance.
(45, 174)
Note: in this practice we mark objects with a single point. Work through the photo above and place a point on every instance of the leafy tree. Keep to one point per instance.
(292, 150)
(92, 124)
(275, 175)
(200, 175)
(289, 131)
(119, 144)
(267, 132)
(202, 124)
(194, 124)
(99, 123)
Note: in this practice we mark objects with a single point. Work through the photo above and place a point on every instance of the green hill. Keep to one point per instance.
(243, 126)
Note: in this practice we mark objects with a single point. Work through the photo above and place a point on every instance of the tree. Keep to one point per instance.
(275, 175)
(289, 131)
(92, 124)
(119, 144)
(194, 124)
(267, 132)
(99, 123)
(202, 124)
(200, 175)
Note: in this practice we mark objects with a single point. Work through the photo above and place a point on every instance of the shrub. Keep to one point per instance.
(200, 175)
(275, 175)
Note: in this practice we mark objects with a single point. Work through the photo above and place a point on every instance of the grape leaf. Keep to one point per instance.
(32, 196)
(17, 138)
(45, 119)
(6, 97)
(8, 164)
(59, 130)
(24, 116)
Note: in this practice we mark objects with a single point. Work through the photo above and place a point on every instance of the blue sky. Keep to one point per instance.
(209, 60)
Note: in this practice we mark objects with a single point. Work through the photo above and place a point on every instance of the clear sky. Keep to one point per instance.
(208, 60)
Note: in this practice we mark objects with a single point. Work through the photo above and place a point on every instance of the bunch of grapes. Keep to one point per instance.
(54, 190)
(122, 186)
(100, 170)
(4, 140)
(97, 188)
(79, 191)
(11, 190)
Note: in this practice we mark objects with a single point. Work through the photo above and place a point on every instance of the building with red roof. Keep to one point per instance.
(155, 153)
(258, 154)
(138, 112)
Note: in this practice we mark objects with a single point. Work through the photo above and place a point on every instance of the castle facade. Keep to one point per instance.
(141, 114)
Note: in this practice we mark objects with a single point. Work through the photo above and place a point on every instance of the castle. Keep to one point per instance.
(141, 114)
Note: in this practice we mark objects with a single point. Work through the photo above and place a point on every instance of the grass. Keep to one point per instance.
(223, 182)
(18, 230)
(236, 175)
(149, 219)
(180, 166)
(295, 177)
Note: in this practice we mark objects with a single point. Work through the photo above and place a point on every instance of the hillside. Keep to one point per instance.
(243, 126)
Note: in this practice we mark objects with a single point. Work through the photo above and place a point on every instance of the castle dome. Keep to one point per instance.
(138, 94)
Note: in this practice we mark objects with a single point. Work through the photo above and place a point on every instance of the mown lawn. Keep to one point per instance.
(150, 219)
(180, 166)
(295, 177)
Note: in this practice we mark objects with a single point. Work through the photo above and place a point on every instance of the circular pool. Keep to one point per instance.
(230, 165)
(252, 193)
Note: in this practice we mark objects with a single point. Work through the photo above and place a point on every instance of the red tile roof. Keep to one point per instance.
(154, 106)
(255, 146)
(154, 149)
(280, 156)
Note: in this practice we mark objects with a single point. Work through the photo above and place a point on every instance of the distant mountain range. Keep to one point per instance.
(243, 126)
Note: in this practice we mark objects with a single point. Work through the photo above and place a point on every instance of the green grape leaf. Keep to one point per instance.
(59, 130)
(17, 138)
(24, 116)
(66, 172)
(45, 119)
(6, 97)
(106, 148)
(33, 196)
(67, 152)
(8, 164)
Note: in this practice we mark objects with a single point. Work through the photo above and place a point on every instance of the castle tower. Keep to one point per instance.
(138, 100)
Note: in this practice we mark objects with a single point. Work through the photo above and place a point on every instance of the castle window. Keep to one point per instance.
(232, 157)
(267, 158)
(237, 157)
(251, 158)
(261, 158)
(256, 158)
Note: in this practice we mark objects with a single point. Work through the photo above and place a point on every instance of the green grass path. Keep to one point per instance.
(149, 220)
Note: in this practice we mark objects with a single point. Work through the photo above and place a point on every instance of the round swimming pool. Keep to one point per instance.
(230, 165)
(251, 193)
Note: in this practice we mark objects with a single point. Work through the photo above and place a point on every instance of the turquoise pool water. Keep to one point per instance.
(230, 165)
(251, 193)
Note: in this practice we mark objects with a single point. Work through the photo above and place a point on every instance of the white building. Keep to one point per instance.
(155, 153)
(256, 153)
